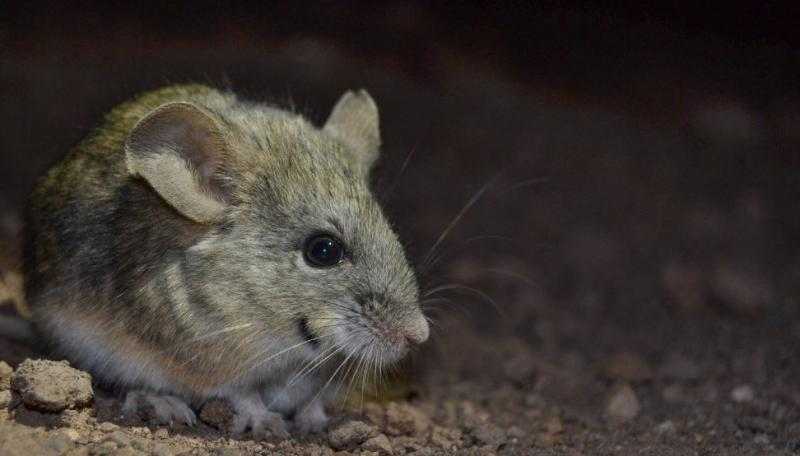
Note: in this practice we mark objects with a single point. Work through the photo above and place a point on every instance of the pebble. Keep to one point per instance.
(761, 439)
(487, 434)
(51, 386)
(159, 449)
(666, 427)
(743, 393)
(120, 438)
(161, 433)
(5, 375)
(107, 427)
(71, 434)
(446, 438)
(554, 425)
(380, 444)
(405, 419)
(351, 434)
(59, 443)
(516, 432)
(5, 399)
(623, 405)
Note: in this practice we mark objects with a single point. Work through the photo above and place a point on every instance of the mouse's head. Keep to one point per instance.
(297, 252)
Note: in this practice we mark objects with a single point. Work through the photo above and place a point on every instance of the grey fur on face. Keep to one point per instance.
(168, 253)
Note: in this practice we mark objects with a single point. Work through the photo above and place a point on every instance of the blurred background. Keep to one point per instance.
(637, 175)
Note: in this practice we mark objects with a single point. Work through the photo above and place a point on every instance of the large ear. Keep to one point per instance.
(178, 149)
(354, 121)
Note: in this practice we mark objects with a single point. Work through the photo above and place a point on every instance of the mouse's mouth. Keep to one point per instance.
(305, 332)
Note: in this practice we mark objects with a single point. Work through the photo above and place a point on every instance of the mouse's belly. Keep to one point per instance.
(129, 357)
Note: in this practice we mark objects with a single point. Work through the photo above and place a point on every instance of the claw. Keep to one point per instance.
(164, 409)
(251, 413)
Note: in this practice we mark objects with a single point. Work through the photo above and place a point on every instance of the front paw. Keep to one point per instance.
(311, 419)
(162, 408)
(251, 413)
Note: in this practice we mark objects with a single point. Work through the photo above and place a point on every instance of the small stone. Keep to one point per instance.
(554, 426)
(374, 413)
(629, 367)
(351, 434)
(446, 438)
(161, 433)
(666, 427)
(71, 434)
(159, 449)
(469, 415)
(51, 386)
(515, 432)
(139, 444)
(217, 413)
(380, 444)
(107, 427)
(761, 439)
(59, 442)
(743, 393)
(5, 398)
(487, 434)
(5, 375)
(140, 431)
(623, 405)
(547, 440)
(120, 438)
(404, 419)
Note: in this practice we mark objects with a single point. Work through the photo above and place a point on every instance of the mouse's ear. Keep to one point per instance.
(178, 149)
(354, 121)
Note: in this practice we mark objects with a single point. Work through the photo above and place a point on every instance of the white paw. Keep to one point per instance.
(251, 413)
(162, 408)
(311, 419)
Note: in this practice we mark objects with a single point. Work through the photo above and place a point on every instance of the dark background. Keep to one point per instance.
(642, 168)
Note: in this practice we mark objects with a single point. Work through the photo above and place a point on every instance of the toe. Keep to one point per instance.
(277, 426)
(180, 411)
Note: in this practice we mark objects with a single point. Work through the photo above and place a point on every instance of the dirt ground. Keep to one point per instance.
(628, 282)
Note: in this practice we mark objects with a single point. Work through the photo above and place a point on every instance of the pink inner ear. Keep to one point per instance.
(190, 132)
(202, 154)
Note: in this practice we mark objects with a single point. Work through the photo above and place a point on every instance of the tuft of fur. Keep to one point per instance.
(164, 255)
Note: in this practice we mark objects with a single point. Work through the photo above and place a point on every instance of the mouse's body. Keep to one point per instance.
(198, 246)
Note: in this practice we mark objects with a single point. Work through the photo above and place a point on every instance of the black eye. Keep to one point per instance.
(323, 251)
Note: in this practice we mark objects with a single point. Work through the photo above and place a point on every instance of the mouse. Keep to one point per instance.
(200, 246)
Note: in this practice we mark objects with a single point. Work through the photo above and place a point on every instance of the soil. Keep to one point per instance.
(628, 281)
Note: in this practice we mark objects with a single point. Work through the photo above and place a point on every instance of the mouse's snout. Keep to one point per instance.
(416, 329)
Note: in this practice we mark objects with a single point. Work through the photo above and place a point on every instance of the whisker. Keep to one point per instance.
(458, 217)
(525, 183)
(458, 286)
